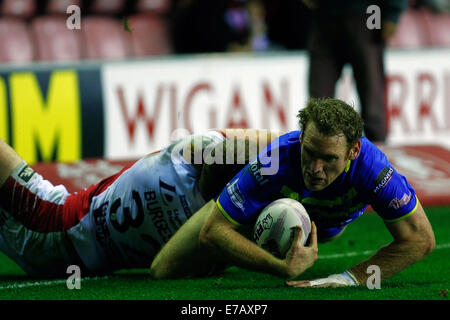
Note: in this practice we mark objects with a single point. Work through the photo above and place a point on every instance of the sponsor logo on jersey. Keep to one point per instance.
(383, 178)
(187, 210)
(102, 233)
(167, 192)
(255, 170)
(235, 194)
(156, 212)
(26, 173)
(398, 203)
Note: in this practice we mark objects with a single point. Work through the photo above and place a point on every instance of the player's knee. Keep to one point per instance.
(429, 244)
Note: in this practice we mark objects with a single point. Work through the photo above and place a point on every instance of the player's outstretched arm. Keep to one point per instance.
(222, 238)
(413, 241)
(9, 159)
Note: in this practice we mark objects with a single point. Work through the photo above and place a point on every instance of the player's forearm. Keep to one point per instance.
(230, 246)
(391, 259)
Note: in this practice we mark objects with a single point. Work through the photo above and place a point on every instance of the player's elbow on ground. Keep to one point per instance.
(205, 239)
(156, 272)
(160, 270)
(429, 244)
(426, 244)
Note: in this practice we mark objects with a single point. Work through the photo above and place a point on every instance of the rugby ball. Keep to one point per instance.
(274, 228)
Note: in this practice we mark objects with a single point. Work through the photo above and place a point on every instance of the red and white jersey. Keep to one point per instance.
(123, 221)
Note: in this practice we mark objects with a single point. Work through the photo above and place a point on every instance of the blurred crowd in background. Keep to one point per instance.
(35, 30)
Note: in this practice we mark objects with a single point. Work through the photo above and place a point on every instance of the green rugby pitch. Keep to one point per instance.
(426, 280)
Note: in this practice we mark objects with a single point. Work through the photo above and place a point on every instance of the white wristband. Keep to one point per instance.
(350, 277)
(345, 278)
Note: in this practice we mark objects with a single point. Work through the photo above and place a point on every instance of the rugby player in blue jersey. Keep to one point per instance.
(335, 173)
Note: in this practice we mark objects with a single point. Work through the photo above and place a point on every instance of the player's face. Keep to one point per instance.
(323, 158)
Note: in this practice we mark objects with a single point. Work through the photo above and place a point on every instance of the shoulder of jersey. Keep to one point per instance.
(369, 164)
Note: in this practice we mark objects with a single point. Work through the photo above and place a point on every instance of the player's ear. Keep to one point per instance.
(301, 137)
(355, 150)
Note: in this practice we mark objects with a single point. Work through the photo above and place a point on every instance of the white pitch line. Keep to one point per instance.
(345, 255)
(45, 283)
(367, 252)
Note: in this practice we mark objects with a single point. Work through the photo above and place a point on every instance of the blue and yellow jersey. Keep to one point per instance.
(276, 173)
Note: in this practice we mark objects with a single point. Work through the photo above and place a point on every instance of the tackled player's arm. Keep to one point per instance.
(245, 144)
(258, 138)
(413, 240)
(226, 240)
(9, 160)
(261, 137)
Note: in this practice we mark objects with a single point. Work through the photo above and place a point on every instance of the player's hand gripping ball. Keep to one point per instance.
(274, 229)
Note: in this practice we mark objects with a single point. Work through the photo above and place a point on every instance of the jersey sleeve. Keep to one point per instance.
(247, 193)
(391, 196)
(397, 199)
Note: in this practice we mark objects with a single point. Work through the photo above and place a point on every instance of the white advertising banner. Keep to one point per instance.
(419, 96)
(150, 103)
